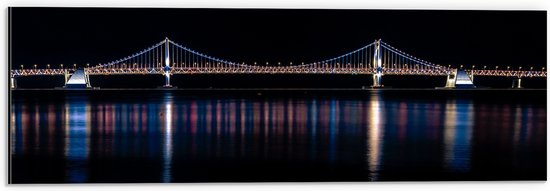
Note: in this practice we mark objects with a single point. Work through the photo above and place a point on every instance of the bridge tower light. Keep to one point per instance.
(22, 67)
(167, 61)
(484, 67)
(496, 67)
(543, 69)
(508, 68)
(378, 65)
(61, 66)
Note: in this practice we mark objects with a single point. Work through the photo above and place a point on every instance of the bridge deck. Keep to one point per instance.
(274, 70)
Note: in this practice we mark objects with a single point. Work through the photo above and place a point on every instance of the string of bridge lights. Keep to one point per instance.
(344, 56)
(397, 51)
(355, 57)
(218, 60)
(143, 52)
(181, 55)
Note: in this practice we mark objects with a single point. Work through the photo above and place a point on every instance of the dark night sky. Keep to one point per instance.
(92, 35)
(97, 35)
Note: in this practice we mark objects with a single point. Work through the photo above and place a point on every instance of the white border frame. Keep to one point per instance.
(284, 4)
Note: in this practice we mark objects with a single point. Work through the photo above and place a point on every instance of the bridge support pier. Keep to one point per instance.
(67, 77)
(459, 79)
(13, 83)
(167, 80)
(377, 80)
(516, 83)
(77, 80)
(87, 78)
(451, 79)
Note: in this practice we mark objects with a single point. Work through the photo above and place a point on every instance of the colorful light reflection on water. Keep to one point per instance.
(167, 137)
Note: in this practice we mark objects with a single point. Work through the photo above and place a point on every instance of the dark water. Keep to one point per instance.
(224, 136)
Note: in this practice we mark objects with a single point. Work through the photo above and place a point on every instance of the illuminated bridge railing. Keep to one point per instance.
(508, 73)
(300, 70)
(271, 70)
(377, 59)
(39, 72)
(276, 70)
(264, 70)
(416, 71)
(123, 71)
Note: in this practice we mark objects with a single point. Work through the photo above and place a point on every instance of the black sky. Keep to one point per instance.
(96, 35)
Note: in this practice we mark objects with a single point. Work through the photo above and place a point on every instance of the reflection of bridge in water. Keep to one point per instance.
(380, 134)
(377, 59)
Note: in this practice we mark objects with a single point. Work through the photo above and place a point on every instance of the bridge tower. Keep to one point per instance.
(377, 62)
(167, 70)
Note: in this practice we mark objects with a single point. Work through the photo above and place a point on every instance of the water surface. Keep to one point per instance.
(224, 136)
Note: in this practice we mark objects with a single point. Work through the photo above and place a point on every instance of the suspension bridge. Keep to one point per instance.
(169, 58)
